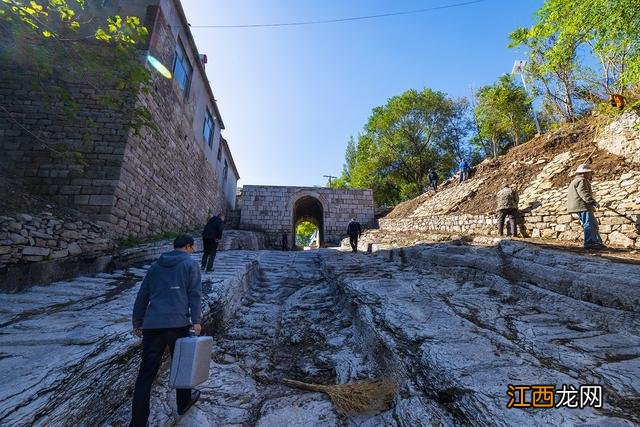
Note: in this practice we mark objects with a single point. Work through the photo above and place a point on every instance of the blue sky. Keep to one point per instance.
(290, 97)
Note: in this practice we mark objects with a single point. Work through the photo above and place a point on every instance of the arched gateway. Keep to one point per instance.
(276, 210)
(307, 207)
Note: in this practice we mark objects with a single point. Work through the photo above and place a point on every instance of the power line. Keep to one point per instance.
(353, 18)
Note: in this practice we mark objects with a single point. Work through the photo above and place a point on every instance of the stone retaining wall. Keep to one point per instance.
(615, 229)
(34, 238)
(542, 204)
(42, 248)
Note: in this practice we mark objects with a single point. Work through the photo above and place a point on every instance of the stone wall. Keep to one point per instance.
(90, 159)
(37, 248)
(44, 248)
(622, 137)
(166, 182)
(33, 238)
(80, 163)
(270, 209)
(543, 205)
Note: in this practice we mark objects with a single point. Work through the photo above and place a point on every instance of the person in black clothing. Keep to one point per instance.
(211, 235)
(285, 241)
(433, 179)
(354, 230)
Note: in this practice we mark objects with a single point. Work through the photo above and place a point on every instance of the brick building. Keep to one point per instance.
(135, 183)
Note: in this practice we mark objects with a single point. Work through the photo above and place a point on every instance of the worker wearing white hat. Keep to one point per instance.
(580, 200)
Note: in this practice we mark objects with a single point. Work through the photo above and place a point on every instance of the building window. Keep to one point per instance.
(225, 171)
(182, 69)
(209, 128)
(220, 151)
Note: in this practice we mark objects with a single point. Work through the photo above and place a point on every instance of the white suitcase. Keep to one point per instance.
(190, 364)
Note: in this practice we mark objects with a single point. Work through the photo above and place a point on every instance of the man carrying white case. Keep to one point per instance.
(168, 303)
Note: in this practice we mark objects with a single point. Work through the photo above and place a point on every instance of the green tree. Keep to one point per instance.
(304, 232)
(402, 140)
(503, 114)
(565, 31)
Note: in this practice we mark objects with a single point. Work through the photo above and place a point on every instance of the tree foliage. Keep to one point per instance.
(304, 232)
(563, 43)
(401, 140)
(503, 114)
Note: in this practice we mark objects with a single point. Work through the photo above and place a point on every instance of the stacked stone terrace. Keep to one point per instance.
(543, 203)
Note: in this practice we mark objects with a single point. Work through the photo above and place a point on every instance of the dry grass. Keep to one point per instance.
(354, 398)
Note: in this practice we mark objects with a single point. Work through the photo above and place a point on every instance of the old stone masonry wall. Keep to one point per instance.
(44, 236)
(270, 209)
(90, 157)
(166, 182)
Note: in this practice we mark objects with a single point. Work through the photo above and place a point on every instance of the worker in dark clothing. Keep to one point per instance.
(168, 304)
(285, 241)
(507, 206)
(211, 236)
(433, 179)
(354, 230)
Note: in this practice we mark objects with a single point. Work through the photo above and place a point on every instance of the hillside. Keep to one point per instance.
(540, 170)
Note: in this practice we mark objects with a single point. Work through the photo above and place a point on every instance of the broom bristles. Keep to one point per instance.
(354, 398)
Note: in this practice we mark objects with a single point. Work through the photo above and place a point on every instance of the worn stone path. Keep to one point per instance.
(452, 325)
(464, 332)
(67, 355)
(292, 323)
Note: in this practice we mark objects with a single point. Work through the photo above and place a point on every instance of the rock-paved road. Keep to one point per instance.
(451, 325)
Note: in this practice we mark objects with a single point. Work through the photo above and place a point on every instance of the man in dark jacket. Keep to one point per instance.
(168, 303)
(433, 179)
(211, 236)
(354, 230)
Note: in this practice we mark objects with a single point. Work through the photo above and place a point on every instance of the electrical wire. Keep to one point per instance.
(353, 18)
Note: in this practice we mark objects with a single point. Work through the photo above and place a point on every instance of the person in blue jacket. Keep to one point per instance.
(168, 304)
(464, 170)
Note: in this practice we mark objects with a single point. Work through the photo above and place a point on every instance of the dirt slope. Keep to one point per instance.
(521, 164)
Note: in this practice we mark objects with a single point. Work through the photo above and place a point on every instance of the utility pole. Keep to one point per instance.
(330, 178)
(518, 67)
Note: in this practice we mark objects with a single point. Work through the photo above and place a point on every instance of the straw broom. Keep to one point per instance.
(354, 398)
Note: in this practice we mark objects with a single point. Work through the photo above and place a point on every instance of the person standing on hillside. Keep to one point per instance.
(168, 303)
(211, 236)
(580, 201)
(507, 205)
(433, 179)
(354, 230)
(464, 170)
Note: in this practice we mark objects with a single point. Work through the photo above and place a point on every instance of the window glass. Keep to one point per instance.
(208, 129)
(182, 69)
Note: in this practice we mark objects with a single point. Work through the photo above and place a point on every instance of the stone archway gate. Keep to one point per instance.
(270, 209)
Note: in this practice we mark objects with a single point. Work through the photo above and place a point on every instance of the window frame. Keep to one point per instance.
(181, 58)
(208, 139)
